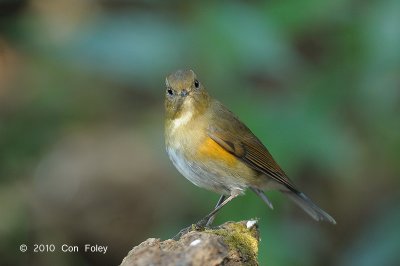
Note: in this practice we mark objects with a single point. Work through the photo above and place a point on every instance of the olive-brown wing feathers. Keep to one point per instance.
(238, 140)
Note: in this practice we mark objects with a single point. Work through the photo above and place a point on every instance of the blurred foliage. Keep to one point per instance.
(81, 122)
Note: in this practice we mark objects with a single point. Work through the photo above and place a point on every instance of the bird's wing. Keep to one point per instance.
(238, 140)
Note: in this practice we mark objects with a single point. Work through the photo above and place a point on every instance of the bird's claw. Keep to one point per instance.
(199, 226)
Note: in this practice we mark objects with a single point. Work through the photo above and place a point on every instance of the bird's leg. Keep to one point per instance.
(204, 221)
(211, 219)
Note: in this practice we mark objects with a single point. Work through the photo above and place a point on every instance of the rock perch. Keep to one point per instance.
(232, 243)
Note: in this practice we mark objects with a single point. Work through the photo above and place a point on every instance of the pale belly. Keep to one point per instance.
(208, 175)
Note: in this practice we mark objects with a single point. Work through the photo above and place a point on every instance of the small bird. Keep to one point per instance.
(214, 150)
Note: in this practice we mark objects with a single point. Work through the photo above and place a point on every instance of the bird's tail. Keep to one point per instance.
(309, 207)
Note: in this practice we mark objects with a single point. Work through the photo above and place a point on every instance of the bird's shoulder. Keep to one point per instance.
(235, 137)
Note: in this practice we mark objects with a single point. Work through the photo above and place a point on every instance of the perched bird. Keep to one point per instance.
(213, 149)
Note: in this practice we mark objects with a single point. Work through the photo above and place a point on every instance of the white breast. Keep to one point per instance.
(201, 176)
(180, 163)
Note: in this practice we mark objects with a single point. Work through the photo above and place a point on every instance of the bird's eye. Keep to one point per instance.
(170, 91)
(196, 83)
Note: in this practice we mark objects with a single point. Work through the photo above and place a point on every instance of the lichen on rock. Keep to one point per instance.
(232, 243)
(242, 241)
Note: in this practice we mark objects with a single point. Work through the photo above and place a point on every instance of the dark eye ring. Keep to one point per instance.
(196, 83)
(170, 92)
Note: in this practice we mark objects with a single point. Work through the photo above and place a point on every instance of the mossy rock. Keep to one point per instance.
(233, 243)
(242, 239)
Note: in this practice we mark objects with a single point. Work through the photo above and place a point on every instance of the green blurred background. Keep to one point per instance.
(82, 157)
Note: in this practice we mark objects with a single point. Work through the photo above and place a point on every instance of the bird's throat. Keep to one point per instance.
(182, 120)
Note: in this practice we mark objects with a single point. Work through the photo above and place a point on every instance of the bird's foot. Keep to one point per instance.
(199, 226)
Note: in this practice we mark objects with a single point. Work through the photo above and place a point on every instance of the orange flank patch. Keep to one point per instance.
(212, 150)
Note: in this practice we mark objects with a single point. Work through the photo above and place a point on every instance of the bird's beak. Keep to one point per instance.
(184, 93)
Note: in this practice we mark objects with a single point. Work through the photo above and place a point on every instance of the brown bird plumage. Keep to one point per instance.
(212, 148)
